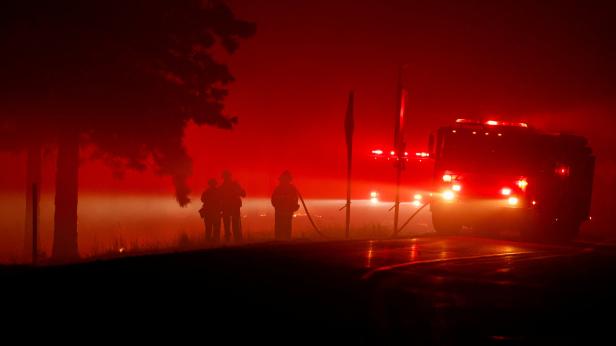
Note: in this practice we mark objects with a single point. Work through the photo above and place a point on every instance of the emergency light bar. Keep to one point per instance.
(392, 155)
(491, 123)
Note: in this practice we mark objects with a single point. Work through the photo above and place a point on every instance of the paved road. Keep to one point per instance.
(426, 290)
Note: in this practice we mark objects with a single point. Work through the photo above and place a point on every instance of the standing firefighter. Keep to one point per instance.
(211, 211)
(285, 201)
(231, 193)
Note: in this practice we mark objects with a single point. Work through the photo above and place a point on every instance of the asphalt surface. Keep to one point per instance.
(426, 290)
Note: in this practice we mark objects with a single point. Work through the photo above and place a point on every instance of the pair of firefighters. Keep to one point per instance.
(225, 201)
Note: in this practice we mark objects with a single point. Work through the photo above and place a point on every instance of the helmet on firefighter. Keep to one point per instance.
(285, 177)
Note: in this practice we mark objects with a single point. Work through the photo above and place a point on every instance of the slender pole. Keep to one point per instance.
(35, 206)
(348, 205)
(399, 143)
(33, 176)
(409, 219)
(349, 124)
(397, 203)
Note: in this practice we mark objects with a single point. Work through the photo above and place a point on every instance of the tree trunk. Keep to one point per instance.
(65, 218)
(33, 176)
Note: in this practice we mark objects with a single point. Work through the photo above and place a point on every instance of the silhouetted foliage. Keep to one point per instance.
(127, 76)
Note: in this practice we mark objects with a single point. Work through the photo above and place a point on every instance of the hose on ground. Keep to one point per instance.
(409, 220)
(314, 225)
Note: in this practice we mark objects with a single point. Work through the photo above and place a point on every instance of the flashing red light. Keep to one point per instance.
(522, 183)
(505, 191)
(406, 153)
(392, 153)
(491, 123)
(447, 178)
(377, 152)
(506, 123)
(465, 121)
(563, 170)
(422, 154)
(448, 195)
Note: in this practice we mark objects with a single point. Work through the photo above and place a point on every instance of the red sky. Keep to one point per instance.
(548, 64)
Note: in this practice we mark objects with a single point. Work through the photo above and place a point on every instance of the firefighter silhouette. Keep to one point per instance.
(231, 201)
(211, 211)
(285, 202)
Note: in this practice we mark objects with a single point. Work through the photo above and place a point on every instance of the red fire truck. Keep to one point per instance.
(493, 175)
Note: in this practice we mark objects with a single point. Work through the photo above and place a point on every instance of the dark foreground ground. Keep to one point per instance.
(427, 290)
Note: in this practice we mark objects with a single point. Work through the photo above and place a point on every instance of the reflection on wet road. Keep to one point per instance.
(424, 290)
(369, 256)
(392, 255)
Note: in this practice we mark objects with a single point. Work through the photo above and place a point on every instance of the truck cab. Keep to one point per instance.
(494, 175)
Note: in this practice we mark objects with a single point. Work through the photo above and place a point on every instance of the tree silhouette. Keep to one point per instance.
(32, 142)
(123, 76)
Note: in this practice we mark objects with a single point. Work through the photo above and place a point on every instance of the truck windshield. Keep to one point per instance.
(474, 151)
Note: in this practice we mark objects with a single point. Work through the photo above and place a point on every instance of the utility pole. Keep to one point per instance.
(349, 125)
(35, 207)
(399, 143)
(33, 176)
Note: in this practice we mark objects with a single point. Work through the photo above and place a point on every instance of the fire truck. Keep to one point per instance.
(493, 175)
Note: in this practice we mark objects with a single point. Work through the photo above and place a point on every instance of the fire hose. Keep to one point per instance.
(314, 225)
